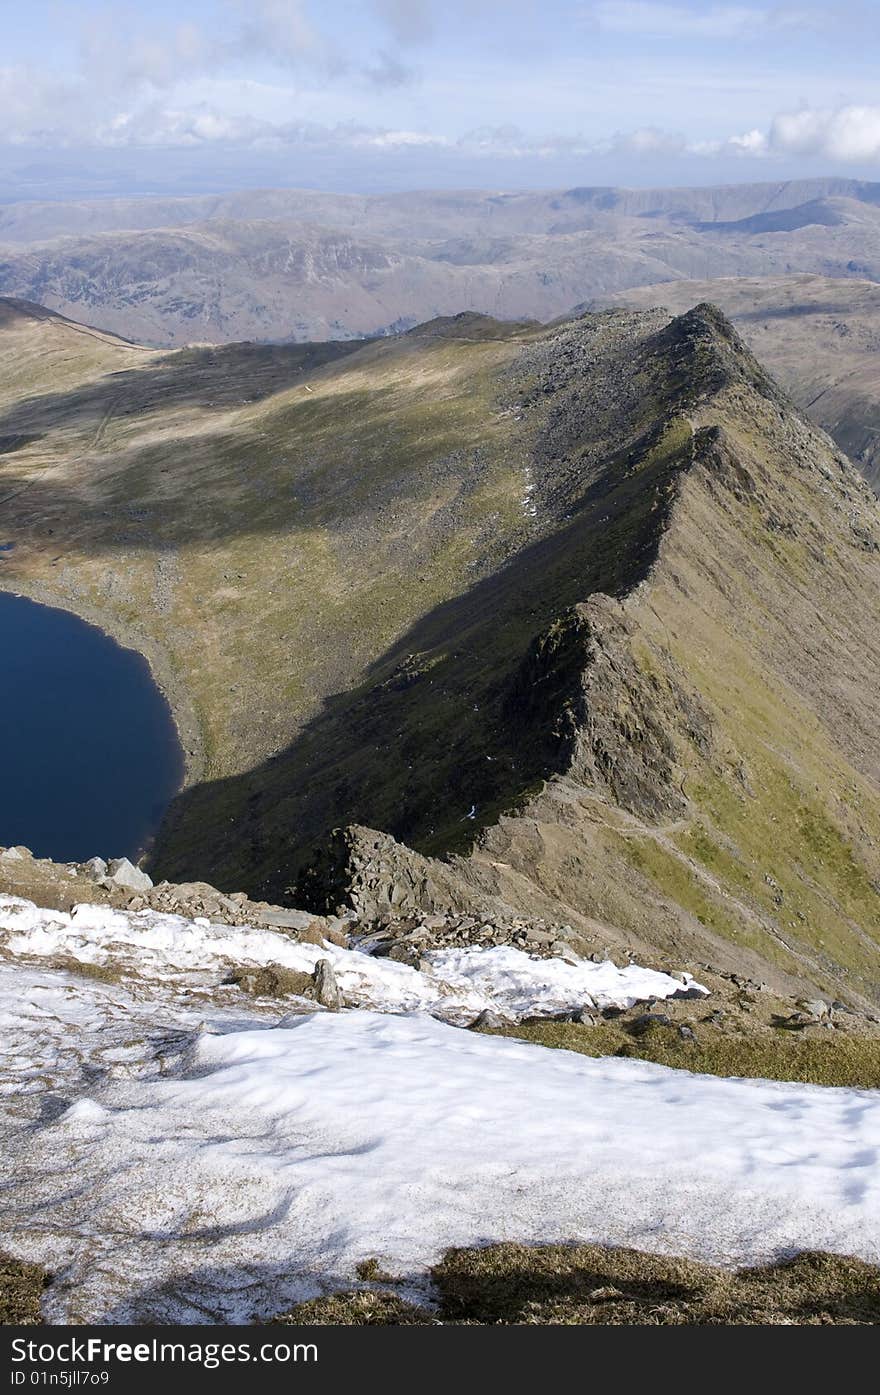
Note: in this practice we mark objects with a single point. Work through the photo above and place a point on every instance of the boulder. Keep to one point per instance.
(281, 918)
(492, 1020)
(95, 867)
(813, 1007)
(560, 950)
(587, 1016)
(326, 990)
(124, 874)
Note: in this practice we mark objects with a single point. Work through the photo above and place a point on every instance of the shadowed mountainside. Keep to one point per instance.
(658, 719)
(587, 611)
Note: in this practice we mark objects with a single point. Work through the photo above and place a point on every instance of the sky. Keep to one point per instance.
(191, 95)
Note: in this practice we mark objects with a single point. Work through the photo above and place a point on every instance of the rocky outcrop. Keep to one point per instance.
(707, 733)
(62, 885)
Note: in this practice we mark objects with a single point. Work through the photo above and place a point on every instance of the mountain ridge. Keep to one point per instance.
(583, 613)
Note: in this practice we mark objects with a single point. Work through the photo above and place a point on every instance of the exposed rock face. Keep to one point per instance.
(711, 731)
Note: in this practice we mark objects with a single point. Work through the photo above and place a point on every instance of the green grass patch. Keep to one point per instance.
(839, 1059)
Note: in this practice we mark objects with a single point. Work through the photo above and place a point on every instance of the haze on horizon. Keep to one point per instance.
(377, 95)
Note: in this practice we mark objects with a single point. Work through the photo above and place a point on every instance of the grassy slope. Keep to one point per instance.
(714, 735)
(266, 540)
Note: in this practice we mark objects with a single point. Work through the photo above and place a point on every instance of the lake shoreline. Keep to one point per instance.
(181, 707)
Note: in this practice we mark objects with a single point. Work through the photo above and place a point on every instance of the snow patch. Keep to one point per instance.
(456, 985)
(268, 1163)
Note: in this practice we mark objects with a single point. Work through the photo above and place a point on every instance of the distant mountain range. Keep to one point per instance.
(282, 265)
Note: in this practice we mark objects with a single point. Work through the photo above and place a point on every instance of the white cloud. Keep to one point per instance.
(848, 133)
(752, 142)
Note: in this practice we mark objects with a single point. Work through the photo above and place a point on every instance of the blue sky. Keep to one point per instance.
(419, 93)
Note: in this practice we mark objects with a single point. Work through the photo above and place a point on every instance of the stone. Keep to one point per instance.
(588, 1017)
(796, 1021)
(404, 954)
(95, 867)
(281, 918)
(687, 1033)
(813, 1007)
(490, 1019)
(560, 950)
(534, 936)
(122, 873)
(326, 990)
(688, 988)
(13, 854)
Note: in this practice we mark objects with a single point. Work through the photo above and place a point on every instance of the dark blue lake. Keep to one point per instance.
(89, 754)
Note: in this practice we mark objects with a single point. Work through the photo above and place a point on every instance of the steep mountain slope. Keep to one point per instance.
(262, 522)
(820, 337)
(691, 657)
(281, 265)
(591, 597)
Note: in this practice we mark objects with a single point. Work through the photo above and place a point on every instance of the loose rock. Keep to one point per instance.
(326, 990)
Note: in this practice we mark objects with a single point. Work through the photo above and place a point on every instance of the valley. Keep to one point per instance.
(525, 677)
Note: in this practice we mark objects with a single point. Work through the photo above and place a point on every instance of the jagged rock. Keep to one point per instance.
(688, 991)
(317, 933)
(95, 867)
(405, 954)
(588, 1017)
(560, 950)
(18, 854)
(122, 873)
(326, 990)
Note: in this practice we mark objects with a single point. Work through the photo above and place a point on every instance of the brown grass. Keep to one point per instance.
(273, 981)
(571, 1285)
(21, 1287)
